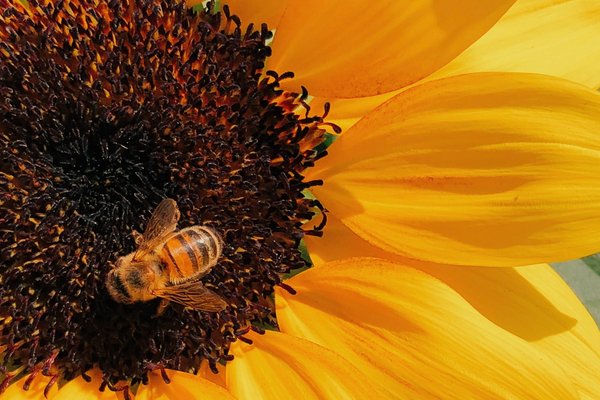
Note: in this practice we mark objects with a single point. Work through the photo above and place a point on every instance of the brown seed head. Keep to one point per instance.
(106, 107)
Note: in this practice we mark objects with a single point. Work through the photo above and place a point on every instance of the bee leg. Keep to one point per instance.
(164, 303)
(137, 237)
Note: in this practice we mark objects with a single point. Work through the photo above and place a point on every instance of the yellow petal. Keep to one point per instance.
(481, 286)
(545, 36)
(257, 12)
(481, 169)
(413, 335)
(535, 304)
(340, 242)
(279, 366)
(343, 48)
(539, 285)
(579, 349)
(526, 301)
(182, 386)
(347, 112)
(36, 390)
(206, 373)
(80, 389)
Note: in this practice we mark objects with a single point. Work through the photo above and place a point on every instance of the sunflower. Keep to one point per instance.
(109, 106)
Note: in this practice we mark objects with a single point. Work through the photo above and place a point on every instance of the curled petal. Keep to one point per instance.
(481, 169)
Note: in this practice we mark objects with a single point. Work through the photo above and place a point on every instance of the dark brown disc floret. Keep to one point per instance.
(107, 107)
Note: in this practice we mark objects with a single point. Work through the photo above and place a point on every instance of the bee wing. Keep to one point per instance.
(192, 294)
(162, 223)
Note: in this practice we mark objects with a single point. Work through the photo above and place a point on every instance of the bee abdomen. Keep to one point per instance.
(191, 252)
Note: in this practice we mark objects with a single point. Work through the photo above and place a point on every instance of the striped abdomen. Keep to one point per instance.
(190, 252)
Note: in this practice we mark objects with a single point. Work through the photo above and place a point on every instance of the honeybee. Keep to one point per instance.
(168, 264)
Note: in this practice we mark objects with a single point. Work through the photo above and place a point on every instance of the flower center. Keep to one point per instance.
(107, 107)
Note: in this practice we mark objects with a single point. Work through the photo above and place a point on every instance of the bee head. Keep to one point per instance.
(115, 283)
(130, 280)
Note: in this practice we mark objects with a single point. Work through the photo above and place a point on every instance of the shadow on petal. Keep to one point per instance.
(446, 350)
(506, 298)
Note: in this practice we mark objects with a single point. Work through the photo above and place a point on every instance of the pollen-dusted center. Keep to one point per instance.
(107, 107)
